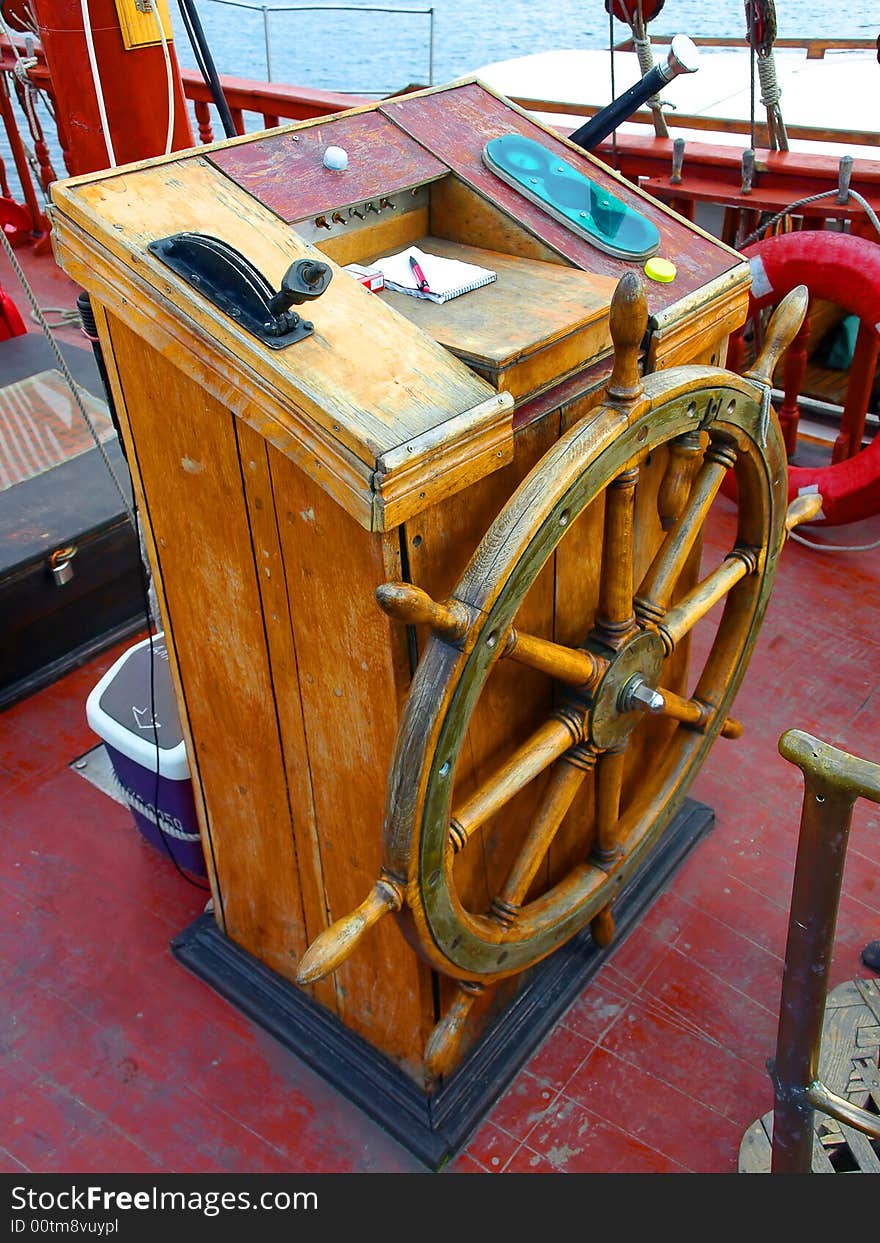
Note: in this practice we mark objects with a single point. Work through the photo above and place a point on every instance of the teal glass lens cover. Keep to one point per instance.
(568, 196)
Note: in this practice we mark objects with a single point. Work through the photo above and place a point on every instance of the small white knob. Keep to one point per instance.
(336, 158)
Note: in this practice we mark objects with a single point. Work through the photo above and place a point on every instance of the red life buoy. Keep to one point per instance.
(843, 269)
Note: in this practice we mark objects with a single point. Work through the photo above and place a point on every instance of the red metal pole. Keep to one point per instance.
(134, 85)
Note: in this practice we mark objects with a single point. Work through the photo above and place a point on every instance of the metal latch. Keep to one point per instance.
(61, 564)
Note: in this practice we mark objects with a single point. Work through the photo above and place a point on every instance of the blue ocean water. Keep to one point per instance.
(379, 46)
(367, 51)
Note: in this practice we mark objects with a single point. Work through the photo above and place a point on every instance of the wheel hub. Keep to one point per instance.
(624, 692)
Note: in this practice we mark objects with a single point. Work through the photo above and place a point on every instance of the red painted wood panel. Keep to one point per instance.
(285, 172)
(456, 124)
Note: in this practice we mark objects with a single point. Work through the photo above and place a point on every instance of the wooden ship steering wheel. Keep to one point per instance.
(608, 691)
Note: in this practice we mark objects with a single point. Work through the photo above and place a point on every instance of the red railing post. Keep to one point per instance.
(793, 372)
(203, 120)
(858, 393)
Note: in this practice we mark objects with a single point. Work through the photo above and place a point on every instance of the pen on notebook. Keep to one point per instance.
(421, 280)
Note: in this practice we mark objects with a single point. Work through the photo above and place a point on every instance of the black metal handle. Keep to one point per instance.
(233, 284)
(682, 58)
(601, 125)
(303, 281)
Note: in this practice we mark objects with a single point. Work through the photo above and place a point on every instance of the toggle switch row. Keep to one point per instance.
(360, 211)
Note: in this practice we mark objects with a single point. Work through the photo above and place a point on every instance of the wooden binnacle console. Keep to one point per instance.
(522, 478)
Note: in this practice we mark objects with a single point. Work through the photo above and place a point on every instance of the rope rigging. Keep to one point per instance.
(28, 96)
(637, 14)
(761, 34)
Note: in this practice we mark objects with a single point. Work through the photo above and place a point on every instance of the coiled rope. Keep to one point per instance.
(645, 53)
(27, 95)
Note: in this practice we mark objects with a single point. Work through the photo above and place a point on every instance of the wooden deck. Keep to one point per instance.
(118, 1060)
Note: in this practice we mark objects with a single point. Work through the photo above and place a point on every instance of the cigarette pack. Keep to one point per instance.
(374, 281)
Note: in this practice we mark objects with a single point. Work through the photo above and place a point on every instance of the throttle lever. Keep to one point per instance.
(304, 280)
(235, 286)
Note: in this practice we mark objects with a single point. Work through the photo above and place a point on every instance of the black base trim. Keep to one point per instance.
(434, 1127)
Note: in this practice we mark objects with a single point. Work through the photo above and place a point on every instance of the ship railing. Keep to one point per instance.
(261, 105)
(566, 114)
(814, 48)
(325, 10)
(712, 174)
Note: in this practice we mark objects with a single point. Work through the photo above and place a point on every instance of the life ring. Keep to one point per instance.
(843, 269)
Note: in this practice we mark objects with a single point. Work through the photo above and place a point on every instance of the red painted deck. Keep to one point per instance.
(116, 1059)
(53, 289)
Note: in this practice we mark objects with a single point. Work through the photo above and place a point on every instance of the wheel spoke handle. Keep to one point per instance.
(602, 927)
(451, 621)
(573, 666)
(615, 619)
(414, 607)
(330, 949)
(781, 331)
(802, 509)
(659, 582)
(609, 787)
(697, 603)
(442, 1049)
(546, 745)
(678, 477)
(742, 561)
(565, 781)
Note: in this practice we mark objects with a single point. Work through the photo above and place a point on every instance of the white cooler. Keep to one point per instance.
(121, 712)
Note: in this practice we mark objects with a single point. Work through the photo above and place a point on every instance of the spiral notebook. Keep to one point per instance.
(447, 278)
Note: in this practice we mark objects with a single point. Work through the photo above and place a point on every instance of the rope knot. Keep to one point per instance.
(644, 53)
(21, 68)
(770, 92)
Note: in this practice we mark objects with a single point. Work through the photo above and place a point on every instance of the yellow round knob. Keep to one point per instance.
(660, 270)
